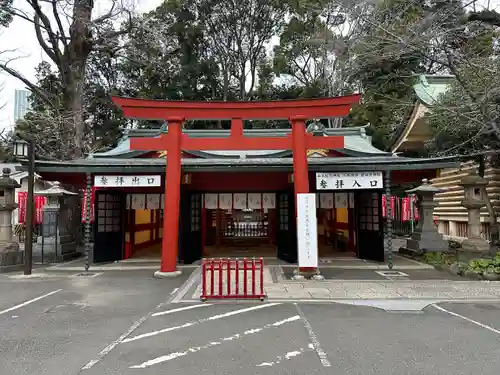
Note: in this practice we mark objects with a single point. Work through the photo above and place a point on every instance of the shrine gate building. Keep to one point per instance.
(236, 191)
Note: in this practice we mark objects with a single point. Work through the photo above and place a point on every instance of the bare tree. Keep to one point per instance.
(238, 32)
(457, 38)
(68, 33)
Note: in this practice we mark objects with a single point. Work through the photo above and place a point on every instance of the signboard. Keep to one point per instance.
(127, 181)
(307, 230)
(349, 181)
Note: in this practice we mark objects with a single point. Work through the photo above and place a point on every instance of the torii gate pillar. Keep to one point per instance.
(170, 240)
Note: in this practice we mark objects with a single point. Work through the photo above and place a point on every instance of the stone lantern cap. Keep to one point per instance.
(6, 181)
(473, 180)
(55, 191)
(426, 187)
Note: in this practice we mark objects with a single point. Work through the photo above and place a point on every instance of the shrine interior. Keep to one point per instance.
(232, 229)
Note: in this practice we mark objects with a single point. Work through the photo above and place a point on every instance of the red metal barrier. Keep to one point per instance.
(217, 273)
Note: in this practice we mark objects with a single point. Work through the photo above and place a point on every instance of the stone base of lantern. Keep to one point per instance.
(473, 248)
(11, 258)
(422, 242)
(52, 249)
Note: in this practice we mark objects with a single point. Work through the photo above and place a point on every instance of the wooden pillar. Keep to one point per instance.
(170, 240)
(299, 150)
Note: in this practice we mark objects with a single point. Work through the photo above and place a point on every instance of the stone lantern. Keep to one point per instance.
(426, 237)
(9, 250)
(58, 240)
(474, 199)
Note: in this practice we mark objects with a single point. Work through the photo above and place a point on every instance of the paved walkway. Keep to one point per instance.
(431, 289)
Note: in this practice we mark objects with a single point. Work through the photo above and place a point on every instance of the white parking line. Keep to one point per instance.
(287, 356)
(323, 358)
(196, 349)
(181, 309)
(489, 328)
(111, 346)
(189, 324)
(28, 302)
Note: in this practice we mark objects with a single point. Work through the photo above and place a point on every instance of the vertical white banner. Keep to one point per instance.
(255, 201)
(138, 202)
(326, 200)
(226, 201)
(240, 201)
(341, 200)
(211, 201)
(307, 230)
(269, 200)
(351, 200)
(153, 201)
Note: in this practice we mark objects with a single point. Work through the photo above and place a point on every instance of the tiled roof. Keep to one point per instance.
(356, 143)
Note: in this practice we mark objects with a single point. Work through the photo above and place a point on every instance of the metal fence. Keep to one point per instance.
(48, 246)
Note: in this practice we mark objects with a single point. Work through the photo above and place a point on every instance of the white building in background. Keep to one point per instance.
(21, 104)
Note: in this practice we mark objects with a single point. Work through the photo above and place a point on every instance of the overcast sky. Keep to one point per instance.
(20, 35)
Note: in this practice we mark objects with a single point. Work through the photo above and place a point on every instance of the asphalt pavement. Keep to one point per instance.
(127, 323)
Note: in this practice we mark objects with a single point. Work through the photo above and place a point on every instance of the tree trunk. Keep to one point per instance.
(494, 230)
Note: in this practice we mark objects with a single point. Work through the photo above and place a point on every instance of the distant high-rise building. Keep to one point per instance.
(21, 104)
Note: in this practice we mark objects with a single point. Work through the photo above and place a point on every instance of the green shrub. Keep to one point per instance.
(482, 266)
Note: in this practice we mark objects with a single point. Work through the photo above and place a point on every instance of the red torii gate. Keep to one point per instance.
(175, 112)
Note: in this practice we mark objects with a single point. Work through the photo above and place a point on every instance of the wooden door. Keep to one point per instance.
(286, 231)
(370, 238)
(109, 233)
(190, 239)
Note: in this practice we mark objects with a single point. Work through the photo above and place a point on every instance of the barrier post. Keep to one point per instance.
(204, 280)
(222, 268)
(245, 264)
(253, 276)
(261, 263)
(228, 279)
(237, 276)
(211, 277)
(220, 277)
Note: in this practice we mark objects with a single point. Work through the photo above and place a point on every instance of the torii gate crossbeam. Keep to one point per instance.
(175, 112)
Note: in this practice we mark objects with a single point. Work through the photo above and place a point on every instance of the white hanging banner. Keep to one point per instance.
(240, 201)
(268, 200)
(127, 201)
(211, 201)
(341, 200)
(351, 200)
(255, 201)
(226, 201)
(307, 230)
(326, 200)
(162, 201)
(138, 202)
(153, 201)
